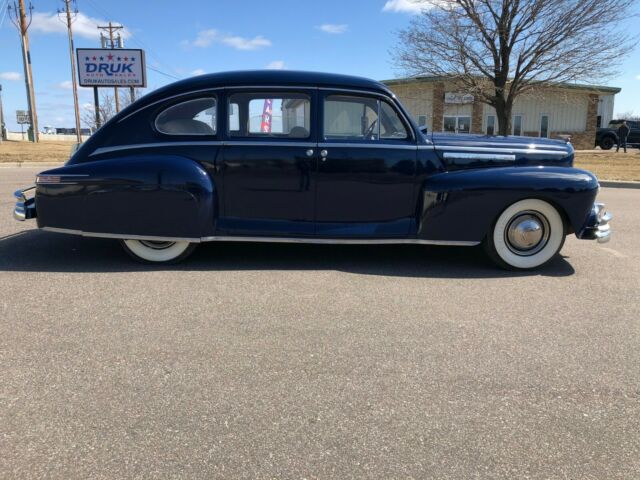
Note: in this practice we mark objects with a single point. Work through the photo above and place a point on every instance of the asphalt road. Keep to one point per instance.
(292, 361)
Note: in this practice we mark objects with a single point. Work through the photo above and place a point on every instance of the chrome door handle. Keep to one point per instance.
(323, 155)
(310, 152)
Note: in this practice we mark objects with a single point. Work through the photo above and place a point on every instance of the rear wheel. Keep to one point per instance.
(607, 143)
(158, 252)
(526, 235)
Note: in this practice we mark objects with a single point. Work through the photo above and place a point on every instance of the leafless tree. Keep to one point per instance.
(500, 49)
(107, 106)
(629, 115)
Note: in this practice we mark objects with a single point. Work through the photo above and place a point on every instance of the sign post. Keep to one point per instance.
(23, 118)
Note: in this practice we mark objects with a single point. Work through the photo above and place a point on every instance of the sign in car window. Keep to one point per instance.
(103, 67)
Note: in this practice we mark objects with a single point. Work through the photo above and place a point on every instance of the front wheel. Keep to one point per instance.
(607, 143)
(158, 252)
(526, 235)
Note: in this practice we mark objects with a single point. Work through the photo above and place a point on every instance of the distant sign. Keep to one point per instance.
(22, 117)
(104, 67)
(458, 98)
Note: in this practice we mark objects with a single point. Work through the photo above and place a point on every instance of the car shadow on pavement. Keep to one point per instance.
(38, 251)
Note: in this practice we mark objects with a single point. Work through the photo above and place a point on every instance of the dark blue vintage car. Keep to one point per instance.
(309, 157)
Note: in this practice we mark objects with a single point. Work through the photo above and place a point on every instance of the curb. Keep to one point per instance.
(618, 184)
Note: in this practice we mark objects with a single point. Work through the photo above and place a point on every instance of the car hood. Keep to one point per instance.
(460, 151)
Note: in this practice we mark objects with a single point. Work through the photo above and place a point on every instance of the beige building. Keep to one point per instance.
(561, 110)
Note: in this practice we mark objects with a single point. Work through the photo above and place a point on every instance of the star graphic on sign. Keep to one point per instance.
(86, 58)
(119, 59)
(133, 59)
(110, 57)
(125, 59)
(101, 58)
(94, 58)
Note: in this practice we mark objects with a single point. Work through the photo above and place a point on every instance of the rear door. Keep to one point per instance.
(366, 169)
(267, 165)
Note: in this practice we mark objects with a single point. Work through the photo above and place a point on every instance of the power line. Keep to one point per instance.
(137, 40)
(4, 11)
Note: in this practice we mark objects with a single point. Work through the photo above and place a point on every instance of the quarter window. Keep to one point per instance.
(491, 125)
(352, 118)
(273, 116)
(193, 117)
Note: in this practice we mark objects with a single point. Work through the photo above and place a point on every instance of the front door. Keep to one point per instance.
(267, 163)
(366, 169)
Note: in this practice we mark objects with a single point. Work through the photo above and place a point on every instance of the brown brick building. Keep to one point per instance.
(560, 110)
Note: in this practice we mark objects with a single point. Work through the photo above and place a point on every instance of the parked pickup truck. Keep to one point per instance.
(607, 137)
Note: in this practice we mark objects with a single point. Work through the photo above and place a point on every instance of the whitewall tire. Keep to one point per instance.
(147, 251)
(526, 235)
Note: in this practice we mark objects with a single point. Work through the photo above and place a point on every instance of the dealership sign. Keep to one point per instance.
(458, 98)
(104, 67)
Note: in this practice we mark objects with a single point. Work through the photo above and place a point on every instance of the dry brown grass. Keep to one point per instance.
(607, 165)
(12, 151)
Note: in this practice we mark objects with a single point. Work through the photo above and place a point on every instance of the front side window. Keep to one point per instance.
(192, 117)
(270, 115)
(354, 118)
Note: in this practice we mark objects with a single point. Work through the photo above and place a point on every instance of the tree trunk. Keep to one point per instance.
(503, 114)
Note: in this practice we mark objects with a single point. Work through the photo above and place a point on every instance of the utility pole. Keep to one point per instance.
(1, 118)
(69, 20)
(19, 19)
(111, 28)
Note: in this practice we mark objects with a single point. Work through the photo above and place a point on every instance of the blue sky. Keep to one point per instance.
(194, 36)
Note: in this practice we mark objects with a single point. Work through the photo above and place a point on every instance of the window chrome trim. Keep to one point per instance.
(366, 145)
(308, 240)
(533, 145)
(478, 156)
(282, 143)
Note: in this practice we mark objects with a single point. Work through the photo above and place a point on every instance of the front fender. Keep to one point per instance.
(154, 195)
(462, 205)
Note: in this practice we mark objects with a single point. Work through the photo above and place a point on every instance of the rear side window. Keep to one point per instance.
(192, 117)
(270, 115)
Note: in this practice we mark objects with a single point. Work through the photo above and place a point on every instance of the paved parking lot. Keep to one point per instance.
(293, 361)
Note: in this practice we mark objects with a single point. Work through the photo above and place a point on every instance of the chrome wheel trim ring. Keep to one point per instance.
(527, 233)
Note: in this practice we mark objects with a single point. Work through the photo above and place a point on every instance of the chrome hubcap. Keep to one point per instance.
(527, 233)
(156, 245)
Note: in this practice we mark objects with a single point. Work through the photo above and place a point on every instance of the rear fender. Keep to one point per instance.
(462, 205)
(152, 195)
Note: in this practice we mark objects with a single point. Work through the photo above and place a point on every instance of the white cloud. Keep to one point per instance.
(10, 76)
(246, 43)
(198, 71)
(405, 6)
(333, 28)
(66, 85)
(275, 65)
(83, 26)
(206, 38)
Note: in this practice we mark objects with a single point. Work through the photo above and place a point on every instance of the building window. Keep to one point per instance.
(544, 126)
(457, 124)
(422, 120)
(517, 125)
(491, 125)
(599, 121)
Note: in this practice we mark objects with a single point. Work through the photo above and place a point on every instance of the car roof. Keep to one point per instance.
(266, 78)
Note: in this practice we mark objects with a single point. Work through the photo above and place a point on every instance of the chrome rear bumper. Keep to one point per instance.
(25, 207)
(598, 227)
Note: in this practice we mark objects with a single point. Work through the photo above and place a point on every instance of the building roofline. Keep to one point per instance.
(433, 79)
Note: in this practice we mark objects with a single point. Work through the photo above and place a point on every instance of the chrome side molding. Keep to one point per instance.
(307, 240)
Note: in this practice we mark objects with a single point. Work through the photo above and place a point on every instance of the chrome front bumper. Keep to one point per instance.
(25, 207)
(598, 227)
